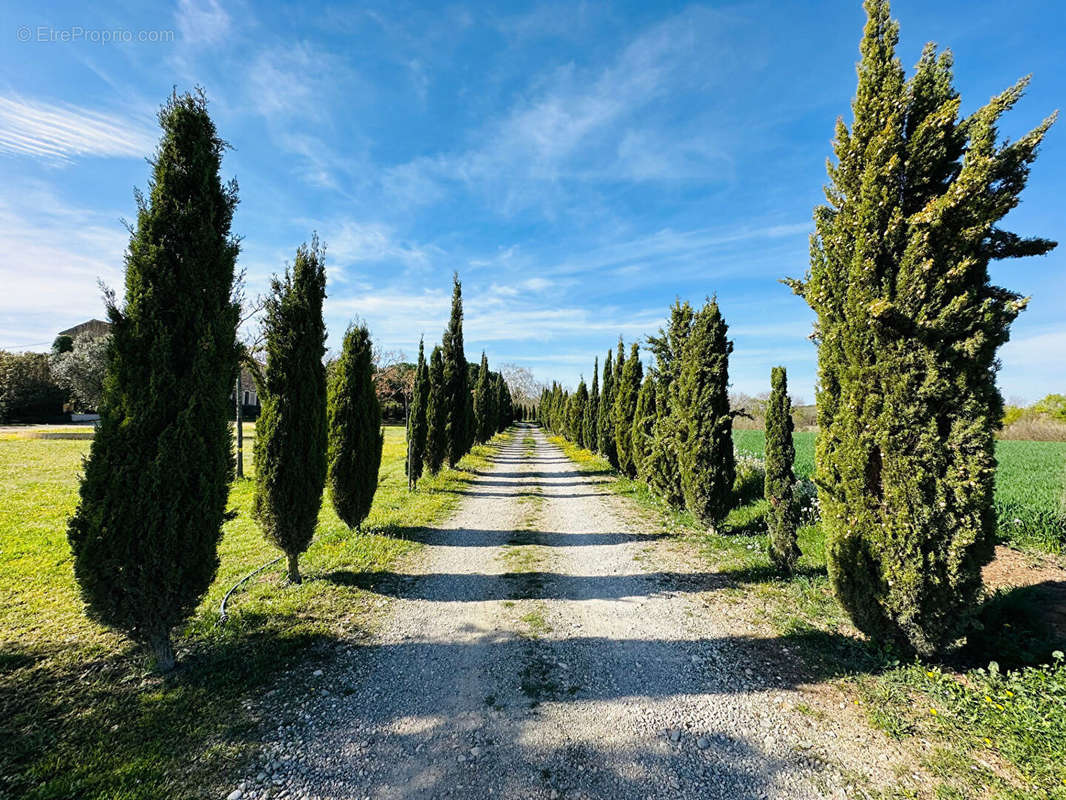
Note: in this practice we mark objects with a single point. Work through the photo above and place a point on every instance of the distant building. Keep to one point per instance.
(249, 397)
(94, 327)
(97, 327)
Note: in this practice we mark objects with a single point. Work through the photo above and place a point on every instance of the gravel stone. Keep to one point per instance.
(539, 645)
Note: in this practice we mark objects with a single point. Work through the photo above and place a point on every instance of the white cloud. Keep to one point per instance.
(59, 133)
(350, 242)
(202, 22)
(667, 249)
(51, 263)
(1034, 365)
(598, 125)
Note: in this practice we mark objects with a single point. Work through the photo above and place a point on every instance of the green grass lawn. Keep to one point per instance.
(1030, 486)
(998, 733)
(82, 716)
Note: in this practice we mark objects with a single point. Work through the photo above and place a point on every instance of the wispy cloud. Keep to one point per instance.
(53, 258)
(60, 133)
(351, 243)
(600, 125)
(650, 254)
(202, 21)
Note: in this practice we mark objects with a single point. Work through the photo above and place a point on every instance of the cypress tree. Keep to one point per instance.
(908, 324)
(470, 426)
(153, 498)
(704, 422)
(605, 432)
(355, 435)
(780, 479)
(661, 463)
(643, 426)
(625, 408)
(590, 423)
(581, 402)
(484, 424)
(419, 420)
(436, 414)
(460, 430)
(504, 404)
(291, 433)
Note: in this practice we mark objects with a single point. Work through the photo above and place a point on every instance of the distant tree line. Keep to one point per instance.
(672, 425)
(454, 404)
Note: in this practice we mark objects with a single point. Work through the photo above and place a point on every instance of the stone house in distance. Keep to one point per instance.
(249, 397)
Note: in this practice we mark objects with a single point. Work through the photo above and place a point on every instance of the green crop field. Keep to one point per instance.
(81, 715)
(1030, 486)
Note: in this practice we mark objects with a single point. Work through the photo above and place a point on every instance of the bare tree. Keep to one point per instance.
(525, 389)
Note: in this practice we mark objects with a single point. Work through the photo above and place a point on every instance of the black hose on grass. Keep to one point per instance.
(237, 585)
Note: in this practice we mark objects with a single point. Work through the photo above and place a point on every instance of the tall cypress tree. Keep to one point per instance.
(418, 423)
(605, 432)
(291, 433)
(908, 327)
(590, 423)
(581, 403)
(625, 408)
(704, 421)
(355, 435)
(152, 502)
(436, 414)
(460, 429)
(643, 426)
(779, 480)
(484, 424)
(616, 378)
(661, 463)
(470, 426)
(505, 413)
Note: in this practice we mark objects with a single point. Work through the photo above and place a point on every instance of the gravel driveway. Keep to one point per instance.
(542, 646)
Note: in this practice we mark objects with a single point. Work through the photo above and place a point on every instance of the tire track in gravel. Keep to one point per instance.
(541, 647)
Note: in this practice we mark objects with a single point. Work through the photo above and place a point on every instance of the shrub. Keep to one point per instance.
(27, 389)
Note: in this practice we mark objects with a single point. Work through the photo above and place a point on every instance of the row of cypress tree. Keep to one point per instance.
(153, 497)
(319, 424)
(671, 427)
(908, 325)
(454, 405)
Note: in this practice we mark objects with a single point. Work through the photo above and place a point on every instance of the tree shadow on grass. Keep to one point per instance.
(1019, 626)
(96, 726)
(767, 573)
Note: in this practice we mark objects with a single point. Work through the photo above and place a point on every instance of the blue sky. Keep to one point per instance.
(579, 164)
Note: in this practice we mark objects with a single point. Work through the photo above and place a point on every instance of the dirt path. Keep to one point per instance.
(541, 647)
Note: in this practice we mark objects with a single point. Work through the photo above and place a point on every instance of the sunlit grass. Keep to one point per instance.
(80, 713)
